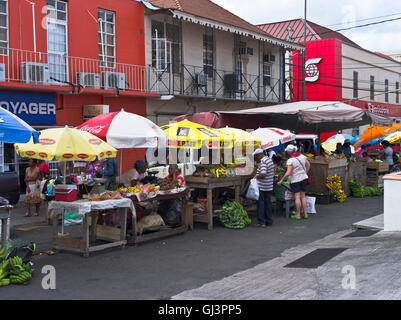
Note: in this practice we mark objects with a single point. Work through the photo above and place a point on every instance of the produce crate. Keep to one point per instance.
(325, 199)
(379, 166)
(374, 178)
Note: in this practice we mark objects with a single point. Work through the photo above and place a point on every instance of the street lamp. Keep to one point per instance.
(305, 7)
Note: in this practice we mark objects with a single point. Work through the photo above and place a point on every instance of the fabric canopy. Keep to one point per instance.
(313, 116)
(375, 132)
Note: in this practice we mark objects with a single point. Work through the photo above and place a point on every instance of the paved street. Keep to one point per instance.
(169, 268)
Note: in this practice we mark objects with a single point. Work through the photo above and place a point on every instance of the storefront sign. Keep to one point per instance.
(378, 109)
(311, 70)
(90, 111)
(32, 107)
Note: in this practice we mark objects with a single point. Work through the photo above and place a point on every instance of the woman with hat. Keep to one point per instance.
(297, 172)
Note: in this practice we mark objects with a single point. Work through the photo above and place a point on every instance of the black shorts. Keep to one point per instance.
(299, 186)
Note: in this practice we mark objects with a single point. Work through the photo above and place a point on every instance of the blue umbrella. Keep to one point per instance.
(15, 130)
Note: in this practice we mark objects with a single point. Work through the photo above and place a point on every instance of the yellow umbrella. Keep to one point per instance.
(242, 137)
(394, 138)
(187, 134)
(331, 144)
(66, 144)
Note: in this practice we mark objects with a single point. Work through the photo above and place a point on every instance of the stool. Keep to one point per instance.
(4, 216)
(189, 216)
(287, 203)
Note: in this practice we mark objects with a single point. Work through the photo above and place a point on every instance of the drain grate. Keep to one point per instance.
(361, 233)
(316, 258)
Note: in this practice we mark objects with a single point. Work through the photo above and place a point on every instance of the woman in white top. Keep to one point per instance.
(297, 172)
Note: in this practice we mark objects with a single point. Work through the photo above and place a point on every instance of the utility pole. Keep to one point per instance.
(305, 52)
(290, 67)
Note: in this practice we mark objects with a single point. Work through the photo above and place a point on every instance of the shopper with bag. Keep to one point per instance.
(32, 180)
(297, 172)
(264, 175)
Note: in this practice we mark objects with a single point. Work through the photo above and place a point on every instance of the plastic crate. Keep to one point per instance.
(279, 192)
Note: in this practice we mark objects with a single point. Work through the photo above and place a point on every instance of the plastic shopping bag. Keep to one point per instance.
(310, 204)
(253, 190)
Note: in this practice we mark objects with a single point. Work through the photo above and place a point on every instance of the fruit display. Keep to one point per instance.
(165, 184)
(220, 173)
(13, 270)
(360, 191)
(233, 215)
(140, 189)
(107, 195)
(333, 183)
(206, 173)
(309, 156)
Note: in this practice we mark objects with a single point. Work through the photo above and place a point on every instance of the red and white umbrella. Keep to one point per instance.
(124, 130)
(273, 137)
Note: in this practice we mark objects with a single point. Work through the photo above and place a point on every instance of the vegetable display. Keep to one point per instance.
(13, 270)
(333, 183)
(360, 191)
(233, 215)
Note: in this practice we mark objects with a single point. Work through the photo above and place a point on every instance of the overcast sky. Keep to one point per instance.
(384, 37)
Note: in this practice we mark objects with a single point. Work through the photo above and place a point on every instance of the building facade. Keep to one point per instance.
(57, 57)
(204, 58)
(337, 69)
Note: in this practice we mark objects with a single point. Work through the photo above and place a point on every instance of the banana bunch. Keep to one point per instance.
(333, 183)
(309, 156)
(3, 253)
(4, 281)
(19, 272)
(220, 173)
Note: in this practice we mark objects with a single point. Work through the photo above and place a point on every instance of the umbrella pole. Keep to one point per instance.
(65, 170)
(121, 164)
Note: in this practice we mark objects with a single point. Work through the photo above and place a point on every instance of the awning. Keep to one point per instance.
(313, 116)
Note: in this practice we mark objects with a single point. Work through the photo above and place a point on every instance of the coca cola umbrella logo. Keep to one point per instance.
(93, 130)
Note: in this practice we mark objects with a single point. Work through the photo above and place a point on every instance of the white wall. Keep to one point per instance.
(368, 64)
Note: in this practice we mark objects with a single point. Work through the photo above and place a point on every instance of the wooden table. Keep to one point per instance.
(164, 231)
(4, 216)
(209, 184)
(90, 231)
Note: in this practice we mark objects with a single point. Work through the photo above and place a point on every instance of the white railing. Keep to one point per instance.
(54, 69)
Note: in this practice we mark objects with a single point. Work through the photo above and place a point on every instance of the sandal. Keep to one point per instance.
(295, 217)
(36, 214)
(305, 217)
(260, 225)
(27, 215)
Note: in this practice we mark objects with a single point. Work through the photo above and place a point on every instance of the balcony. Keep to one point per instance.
(60, 73)
(192, 81)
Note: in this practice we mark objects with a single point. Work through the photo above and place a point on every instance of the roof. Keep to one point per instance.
(210, 10)
(314, 32)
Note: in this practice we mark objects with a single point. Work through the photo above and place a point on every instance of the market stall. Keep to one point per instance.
(91, 231)
(209, 184)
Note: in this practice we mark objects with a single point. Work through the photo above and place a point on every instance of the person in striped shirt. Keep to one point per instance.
(264, 175)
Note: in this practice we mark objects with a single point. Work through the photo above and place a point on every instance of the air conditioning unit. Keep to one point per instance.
(244, 51)
(269, 58)
(201, 80)
(88, 80)
(113, 80)
(2, 72)
(33, 72)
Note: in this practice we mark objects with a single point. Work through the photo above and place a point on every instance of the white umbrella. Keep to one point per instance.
(273, 137)
(124, 130)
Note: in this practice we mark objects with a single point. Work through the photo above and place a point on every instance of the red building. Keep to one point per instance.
(58, 56)
(337, 69)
